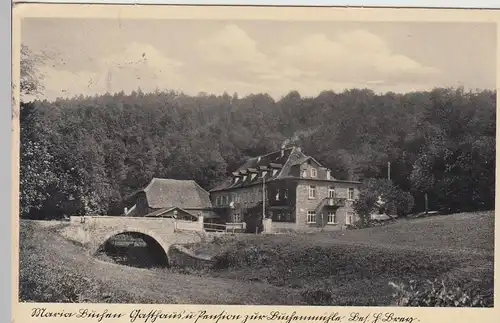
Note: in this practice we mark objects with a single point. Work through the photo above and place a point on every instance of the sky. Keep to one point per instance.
(94, 56)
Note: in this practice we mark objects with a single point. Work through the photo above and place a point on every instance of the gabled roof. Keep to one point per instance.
(281, 161)
(166, 210)
(166, 193)
(302, 160)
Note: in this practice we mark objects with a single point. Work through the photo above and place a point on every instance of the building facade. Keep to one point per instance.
(289, 187)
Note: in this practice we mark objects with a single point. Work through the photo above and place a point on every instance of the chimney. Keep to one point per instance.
(350, 175)
(285, 143)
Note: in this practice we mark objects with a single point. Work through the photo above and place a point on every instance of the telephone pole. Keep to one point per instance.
(263, 199)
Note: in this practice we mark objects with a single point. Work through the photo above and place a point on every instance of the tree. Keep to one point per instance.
(382, 196)
(103, 148)
(30, 82)
(35, 157)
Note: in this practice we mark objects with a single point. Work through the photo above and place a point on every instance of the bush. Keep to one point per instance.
(437, 294)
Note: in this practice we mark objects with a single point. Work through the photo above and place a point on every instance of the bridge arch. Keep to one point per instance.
(100, 241)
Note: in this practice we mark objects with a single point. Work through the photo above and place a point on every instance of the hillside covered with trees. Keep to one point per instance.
(84, 155)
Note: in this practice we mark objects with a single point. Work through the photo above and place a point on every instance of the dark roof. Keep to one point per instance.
(281, 160)
(165, 193)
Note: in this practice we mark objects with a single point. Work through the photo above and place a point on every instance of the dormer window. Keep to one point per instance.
(236, 180)
(350, 193)
(264, 173)
(328, 174)
(252, 176)
(331, 192)
(304, 173)
(244, 178)
(314, 172)
(274, 172)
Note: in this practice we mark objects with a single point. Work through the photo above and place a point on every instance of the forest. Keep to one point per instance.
(84, 155)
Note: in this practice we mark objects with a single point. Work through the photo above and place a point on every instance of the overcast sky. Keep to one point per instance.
(95, 56)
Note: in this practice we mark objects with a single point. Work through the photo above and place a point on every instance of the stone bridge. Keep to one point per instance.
(94, 231)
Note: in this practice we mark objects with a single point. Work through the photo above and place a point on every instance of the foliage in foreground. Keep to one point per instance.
(440, 294)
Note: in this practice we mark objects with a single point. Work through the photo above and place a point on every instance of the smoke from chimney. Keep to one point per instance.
(285, 143)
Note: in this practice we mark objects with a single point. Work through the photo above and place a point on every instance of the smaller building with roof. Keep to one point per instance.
(162, 197)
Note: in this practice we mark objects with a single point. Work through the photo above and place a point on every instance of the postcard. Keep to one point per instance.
(209, 164)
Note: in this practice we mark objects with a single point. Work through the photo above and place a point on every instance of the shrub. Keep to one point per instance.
(437, 294)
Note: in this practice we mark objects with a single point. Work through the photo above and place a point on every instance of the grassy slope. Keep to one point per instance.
(356, 266)
(53, 269)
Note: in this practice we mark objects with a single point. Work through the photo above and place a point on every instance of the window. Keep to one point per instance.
(304, 173)
(312, 192)
(253, 196)
(236, 218)
(274, 172)
(245, 197)
(331, 218)
(349, 217)
(286, 194)
(236, 180)
(311, 217)
(244, 178)
(331, 192)
(350, 193)
(224, 200)
(328, 175)
(253, 176)
(314, 173)
(217, 201)
(277, 197)
(284, 216)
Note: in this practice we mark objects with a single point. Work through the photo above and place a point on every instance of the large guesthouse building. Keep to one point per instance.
(289, 187)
